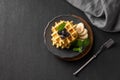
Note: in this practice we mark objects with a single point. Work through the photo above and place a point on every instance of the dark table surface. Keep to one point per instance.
(23, 55)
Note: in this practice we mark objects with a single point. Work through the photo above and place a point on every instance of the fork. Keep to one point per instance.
(106, 45)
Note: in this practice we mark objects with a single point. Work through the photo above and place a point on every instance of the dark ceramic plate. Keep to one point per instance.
(66, 54)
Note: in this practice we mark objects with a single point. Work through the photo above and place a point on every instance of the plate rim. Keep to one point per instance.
(79, 56)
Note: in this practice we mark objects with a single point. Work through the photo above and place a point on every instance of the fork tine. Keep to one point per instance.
(109, 43)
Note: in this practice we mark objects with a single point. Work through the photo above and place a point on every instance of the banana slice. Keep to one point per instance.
(80, 28)
(84, 32)
(83, 37)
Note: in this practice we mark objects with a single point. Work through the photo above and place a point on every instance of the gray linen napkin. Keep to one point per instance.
(105, 14)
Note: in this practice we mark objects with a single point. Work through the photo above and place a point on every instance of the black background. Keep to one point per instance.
(23, 55)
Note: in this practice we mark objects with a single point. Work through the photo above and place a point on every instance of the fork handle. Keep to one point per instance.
(94, 56)
(75, 73)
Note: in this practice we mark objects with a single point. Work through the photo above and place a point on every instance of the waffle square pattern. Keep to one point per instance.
(56, 39)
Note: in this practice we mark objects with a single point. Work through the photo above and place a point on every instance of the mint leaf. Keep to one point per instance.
(73, 44)
(79, 49)
(77, 43)
(61, 26)
(86, 42)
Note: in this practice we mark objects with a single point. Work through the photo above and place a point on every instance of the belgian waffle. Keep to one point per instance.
(57, 40)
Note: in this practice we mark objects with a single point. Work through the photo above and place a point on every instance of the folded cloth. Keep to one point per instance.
(105, 14)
